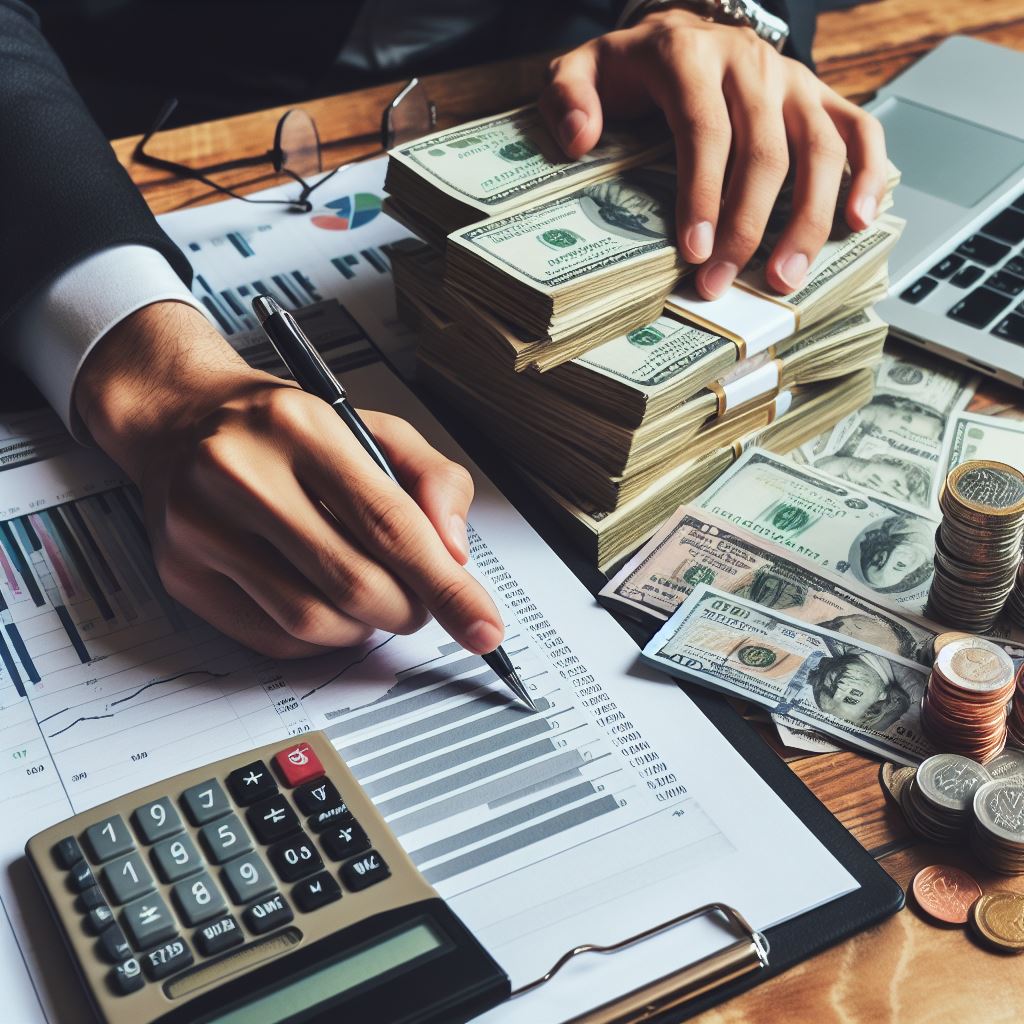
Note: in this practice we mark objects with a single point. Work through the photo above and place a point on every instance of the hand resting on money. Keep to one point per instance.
(734, 105)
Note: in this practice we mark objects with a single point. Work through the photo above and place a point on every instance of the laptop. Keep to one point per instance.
(954, 126)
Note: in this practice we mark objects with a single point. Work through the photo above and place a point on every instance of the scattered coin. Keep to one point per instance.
(998, 920)
(945, 893)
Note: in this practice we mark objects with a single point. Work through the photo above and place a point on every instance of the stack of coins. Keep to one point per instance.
(1015, 723)
(938, 801)
(965, 703)
(1014, 607)
(978, 544)
(997, 835)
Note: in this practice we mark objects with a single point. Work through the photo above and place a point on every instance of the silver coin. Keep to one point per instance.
(1007, 765)
(999, 809)
(949, 780)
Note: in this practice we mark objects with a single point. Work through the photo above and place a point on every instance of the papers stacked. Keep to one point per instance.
(562, 322)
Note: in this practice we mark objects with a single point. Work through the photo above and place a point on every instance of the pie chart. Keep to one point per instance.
(348, 212)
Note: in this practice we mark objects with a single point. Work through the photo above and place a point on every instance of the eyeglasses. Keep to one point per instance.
(297, 150)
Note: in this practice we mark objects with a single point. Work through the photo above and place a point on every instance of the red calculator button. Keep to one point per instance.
(298, 764)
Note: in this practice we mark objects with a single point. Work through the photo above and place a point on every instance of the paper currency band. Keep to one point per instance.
(752, 321)
(758, 383)
(782, 403)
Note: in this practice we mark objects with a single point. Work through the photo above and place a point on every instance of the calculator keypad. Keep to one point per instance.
(144, 935)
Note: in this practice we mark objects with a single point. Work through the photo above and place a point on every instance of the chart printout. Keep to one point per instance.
(614, 806)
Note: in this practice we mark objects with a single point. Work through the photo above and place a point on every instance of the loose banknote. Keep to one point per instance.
(875, 541)
(971, 436)
(855, 692)
(695, 548)
(892, 446)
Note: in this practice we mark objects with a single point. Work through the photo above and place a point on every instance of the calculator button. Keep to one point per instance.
(345, 840)
(268, 914)
(217, 936)
(80, 877)
(364, 871)
(204, 802)
(99, 918)
(336, 815)
(113, 944)
(247, 877)
(224, 839)
(198, 899)
(156, 820)
(67, 853)
(298, 764)
(251, 782)
(316, 892)
(317, 795)
(91, 899)
(295, 857)
(148, 921)
(128, 878)
(272, 819)
(108, 838)
(126, 977)
(167, 959)
(176, 858)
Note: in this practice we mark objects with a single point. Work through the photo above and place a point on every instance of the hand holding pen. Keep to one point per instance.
(391, 519)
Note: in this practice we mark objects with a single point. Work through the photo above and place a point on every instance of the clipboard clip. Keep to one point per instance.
(749, 952)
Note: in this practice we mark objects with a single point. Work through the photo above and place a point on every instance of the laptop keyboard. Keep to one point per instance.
(993, 261)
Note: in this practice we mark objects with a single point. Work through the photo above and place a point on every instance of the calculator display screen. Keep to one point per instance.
(342, 973)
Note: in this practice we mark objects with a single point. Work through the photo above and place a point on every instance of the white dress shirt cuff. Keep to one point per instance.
(58, 330)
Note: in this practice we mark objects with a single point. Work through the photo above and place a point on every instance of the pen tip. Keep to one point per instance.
(264, 306)
(515, 684)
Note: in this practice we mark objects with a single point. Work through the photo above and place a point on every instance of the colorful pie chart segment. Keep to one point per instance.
(350, 212)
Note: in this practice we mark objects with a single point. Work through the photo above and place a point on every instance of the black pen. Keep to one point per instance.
(313, 376)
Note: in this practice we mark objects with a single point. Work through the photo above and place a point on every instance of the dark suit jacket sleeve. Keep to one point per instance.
(63, 195)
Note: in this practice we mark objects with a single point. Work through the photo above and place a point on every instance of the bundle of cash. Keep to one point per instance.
(978, 544)
(548, 301)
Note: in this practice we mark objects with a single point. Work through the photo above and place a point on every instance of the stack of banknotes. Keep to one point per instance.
(554, 311)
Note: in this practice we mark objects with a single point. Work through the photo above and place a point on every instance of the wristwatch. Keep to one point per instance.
(746, 13)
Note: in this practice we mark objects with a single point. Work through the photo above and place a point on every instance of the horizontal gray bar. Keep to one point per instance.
(509, 844)
(502, 823)
(533, 726)
(464, 778)
(494, 790)
(529, 788)
(449, 648)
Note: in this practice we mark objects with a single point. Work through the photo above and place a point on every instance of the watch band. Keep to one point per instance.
(745, 13)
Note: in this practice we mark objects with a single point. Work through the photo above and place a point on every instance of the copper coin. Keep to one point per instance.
(945, 893)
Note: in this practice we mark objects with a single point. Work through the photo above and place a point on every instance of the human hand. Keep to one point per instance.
(741, 115)
(265, 515)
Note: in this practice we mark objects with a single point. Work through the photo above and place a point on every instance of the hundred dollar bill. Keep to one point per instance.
(694, 548)
(797, 736)
(971, 436)
(849, 690)
(893, 445)
(498, 164)
(879, 543)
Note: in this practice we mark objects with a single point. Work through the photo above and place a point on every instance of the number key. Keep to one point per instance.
(198, 899)
(204, 802)
(246, 877)
(295, 857)
(175, 858)
(156, 820)
(108, 838)
(127, 878)
(224, 839)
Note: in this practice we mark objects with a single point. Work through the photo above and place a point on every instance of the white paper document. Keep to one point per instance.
(615, 807)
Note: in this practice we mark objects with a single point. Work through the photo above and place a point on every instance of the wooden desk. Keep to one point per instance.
(906, 969)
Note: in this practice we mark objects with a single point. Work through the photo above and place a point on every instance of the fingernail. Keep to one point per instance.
(700, 238)
(867, 209)
(718, 276)
(793, 269)
(459, 532)
(482, 637)
(572, 124)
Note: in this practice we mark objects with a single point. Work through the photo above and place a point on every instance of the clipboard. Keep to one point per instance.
(754, 957)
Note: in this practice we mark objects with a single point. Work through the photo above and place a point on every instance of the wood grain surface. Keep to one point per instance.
(905, 970)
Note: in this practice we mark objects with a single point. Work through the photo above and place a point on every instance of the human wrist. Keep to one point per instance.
(155, 373)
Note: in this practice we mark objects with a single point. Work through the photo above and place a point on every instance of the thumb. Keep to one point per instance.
(570, 104)
(443, 489)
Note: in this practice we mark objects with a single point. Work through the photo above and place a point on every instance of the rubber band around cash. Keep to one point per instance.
(762, 382)
(780, 406)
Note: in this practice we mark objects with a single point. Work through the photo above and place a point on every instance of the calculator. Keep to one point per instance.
(261, 889)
